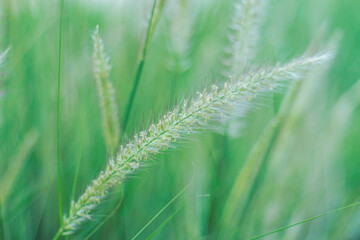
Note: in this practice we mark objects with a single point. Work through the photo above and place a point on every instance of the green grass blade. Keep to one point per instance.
(244, 184)
(173, 215)
(139, 69)
(306, 220)
(15, 166)
(58, 114)
(162, 210)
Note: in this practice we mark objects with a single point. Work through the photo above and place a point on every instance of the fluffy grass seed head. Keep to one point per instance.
(106, 94)
(180, 24)
(244, 35)
(209, 105)
(246, 24)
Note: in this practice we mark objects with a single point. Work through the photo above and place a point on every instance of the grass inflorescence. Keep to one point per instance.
(272, 144)
(106, 94)
(183, 120)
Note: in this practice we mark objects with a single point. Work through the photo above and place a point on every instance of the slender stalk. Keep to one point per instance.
(58, 114)
(139, 69)
(174, 214)
(306, 220)
(163, 209)
(58, 234)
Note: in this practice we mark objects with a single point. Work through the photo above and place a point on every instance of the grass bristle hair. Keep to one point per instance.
(191, 115)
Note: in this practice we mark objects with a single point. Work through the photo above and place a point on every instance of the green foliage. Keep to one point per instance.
(293, 158)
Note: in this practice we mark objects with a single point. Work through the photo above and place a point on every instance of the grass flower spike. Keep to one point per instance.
(106, 94)
(249, 14)
(181, 121)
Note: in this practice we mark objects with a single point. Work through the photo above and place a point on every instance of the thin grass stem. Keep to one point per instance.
(174, 213)
(306, 220)
(58, 234)
(139, 70)
(162, 210)
(58, 114)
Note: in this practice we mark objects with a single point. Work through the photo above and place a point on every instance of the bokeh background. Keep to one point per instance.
(311, 167)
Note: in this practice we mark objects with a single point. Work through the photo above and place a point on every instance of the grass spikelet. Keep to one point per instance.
(180, 30)
(106, 94)
(176, 124)
(248, 16)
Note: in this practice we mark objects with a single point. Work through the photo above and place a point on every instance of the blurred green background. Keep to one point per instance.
(312, 167)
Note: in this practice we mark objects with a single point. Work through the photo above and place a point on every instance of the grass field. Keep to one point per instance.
(292, 154)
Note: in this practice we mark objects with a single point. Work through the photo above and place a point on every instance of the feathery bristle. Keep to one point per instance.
(178, 123)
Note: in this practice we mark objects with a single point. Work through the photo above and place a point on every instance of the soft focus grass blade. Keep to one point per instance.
(162, 210)
(306, 220)
(15, 166)
(58, 115)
